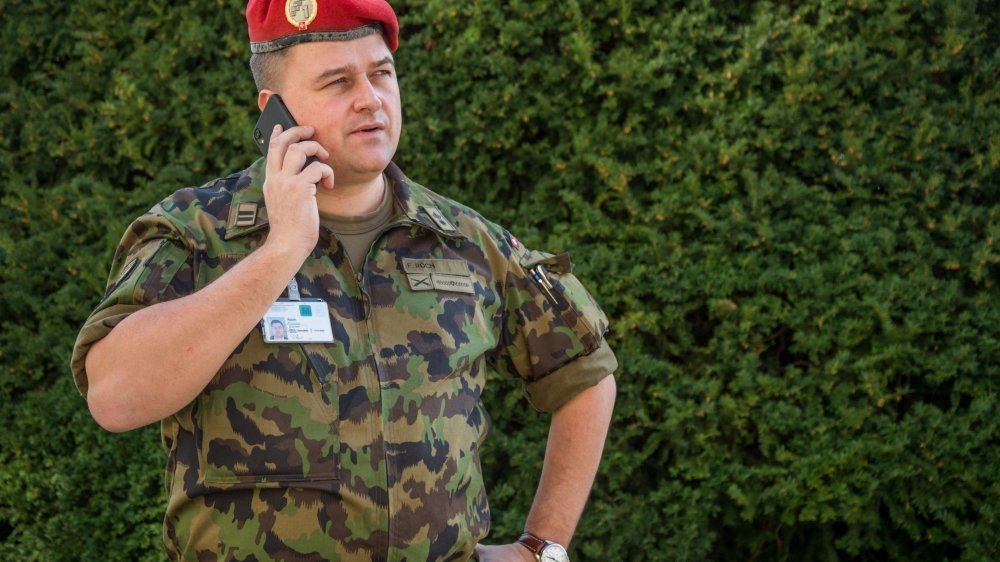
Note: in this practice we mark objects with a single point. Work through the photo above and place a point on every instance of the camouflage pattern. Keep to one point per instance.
(366, 448)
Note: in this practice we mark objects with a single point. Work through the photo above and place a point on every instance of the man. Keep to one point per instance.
(361, 441)
(278, 330)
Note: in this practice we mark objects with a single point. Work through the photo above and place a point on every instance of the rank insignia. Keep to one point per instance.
(246, 214)
(439, 219)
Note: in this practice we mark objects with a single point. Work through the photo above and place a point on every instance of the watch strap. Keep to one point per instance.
(532, 543)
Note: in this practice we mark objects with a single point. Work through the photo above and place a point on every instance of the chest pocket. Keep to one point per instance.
(433, 319)
(266, 418)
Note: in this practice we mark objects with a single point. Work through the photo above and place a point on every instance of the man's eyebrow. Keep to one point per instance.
(350, 68)
(331, 72)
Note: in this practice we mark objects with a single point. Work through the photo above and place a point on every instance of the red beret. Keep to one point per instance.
(276, 24)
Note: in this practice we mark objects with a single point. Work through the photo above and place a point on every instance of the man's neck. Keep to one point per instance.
(352, 200)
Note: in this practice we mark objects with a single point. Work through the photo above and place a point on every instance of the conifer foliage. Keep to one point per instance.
(789, 210)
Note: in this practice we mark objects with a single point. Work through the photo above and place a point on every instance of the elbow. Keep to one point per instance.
(107, 402)
(107, 413)
(110, 423)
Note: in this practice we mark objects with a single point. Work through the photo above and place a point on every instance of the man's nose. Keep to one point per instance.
(368, 98)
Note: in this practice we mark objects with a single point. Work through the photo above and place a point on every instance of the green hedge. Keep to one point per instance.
(790, 211)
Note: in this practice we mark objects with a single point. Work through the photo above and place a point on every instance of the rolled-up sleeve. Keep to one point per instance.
(553, 337)
(152, 264)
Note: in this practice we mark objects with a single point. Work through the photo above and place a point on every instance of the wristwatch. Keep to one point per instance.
(544, 550)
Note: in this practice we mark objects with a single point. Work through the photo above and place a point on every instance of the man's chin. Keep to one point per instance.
(370, 163)
(359, 172)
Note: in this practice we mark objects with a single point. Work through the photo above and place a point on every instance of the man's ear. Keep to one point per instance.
(262, 97)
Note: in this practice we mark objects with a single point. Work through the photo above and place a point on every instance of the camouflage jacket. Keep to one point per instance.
(366, 448)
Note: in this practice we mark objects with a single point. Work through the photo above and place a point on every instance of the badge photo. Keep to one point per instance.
(297, 321)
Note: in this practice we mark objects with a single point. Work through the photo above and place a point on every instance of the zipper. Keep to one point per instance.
(370, 340)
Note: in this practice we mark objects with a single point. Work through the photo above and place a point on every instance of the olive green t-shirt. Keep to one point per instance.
(357, 233)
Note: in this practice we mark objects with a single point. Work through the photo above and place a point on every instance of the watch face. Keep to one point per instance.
(552, 552)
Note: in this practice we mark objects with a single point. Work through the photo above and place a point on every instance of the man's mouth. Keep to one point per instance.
(369, 128)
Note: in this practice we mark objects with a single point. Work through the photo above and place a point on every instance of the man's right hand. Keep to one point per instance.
(290, 189)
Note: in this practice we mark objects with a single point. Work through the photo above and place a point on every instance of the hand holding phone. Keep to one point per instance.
(275, 113)
(290, 195)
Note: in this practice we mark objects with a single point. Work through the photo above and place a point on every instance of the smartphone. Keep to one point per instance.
(275, 113)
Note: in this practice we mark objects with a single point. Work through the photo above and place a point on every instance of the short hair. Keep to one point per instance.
(266, 69)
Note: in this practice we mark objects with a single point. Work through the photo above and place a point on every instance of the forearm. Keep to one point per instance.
(575, 444)
(157, 360)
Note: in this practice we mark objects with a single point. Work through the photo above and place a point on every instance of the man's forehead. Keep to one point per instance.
(356, 53)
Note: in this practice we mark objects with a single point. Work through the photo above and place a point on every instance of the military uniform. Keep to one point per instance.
(366, 448)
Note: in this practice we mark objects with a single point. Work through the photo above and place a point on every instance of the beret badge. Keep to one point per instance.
(301, 13)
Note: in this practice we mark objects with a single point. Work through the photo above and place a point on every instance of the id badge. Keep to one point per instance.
(297, 321)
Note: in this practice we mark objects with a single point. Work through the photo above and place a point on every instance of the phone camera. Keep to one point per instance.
(259, 136)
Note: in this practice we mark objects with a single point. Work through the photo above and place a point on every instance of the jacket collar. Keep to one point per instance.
(420, 206)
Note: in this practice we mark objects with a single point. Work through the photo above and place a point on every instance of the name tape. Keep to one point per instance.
(441, 282)
(447, 267)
